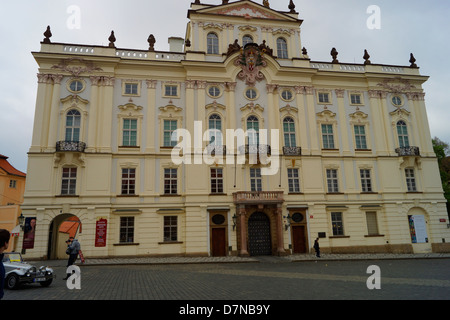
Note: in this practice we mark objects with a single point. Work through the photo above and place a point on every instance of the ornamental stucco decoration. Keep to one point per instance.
(88, 67)
(396, 85)
(251, 61)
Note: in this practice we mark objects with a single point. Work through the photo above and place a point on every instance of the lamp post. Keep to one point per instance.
(21, 219)
(288, 222)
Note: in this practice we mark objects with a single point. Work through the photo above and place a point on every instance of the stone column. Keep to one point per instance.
(41, 100)
(301, 125)
(93, 110)
(243, 231)
(152, 120)
(375, 107)
(343, 122)
(54, 112)
(106, 115)
(280, 240)
(315, 150)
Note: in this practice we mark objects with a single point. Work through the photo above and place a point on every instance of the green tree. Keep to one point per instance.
(442, 151)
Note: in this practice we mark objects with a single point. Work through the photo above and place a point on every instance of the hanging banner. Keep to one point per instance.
(29, 231)
(418, 229)
(100, 232)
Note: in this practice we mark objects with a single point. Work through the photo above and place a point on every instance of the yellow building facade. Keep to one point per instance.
(121, 141)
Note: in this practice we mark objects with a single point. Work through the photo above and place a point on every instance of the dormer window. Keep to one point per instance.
(212, 43)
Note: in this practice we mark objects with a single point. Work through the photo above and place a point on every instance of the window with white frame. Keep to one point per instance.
(128, 185)
(355, 98)
(171, 90)
(255, 179)
(216, 180)
(215, 127)
(282, 49)
(69, 181)
(131, 88)
(247, 39)
(332, 181)
(129, 132)
(212, 43)
(402, 132)
(337, 223)
(327, 136)
(169, 127)
(170, 181)
(360, 137)
(289, 132)
(293, 180)
(324, 97)
(410, 180)
(126, 230)
(170, 228)
(13, 184)
(73, 125)
(253, 130)
(366, 181)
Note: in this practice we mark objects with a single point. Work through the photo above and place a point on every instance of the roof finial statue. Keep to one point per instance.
(266, 3)
(291, 7)
(225, 1)
(366, 57)
(334, 54)
(151, 41)
(112, 39)
(412, 60)
(48, 35)
(197, 2)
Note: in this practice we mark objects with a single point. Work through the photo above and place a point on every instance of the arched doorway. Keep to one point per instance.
(259, 239)
(62, 227)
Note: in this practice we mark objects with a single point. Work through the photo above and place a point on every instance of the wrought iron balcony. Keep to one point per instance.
(70, 146)
(408, 151)
(255, 149)
(218, 150)
(292, 151)
(258, 197)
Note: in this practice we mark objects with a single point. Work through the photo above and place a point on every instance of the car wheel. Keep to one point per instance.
(46, 283)
(12, 281)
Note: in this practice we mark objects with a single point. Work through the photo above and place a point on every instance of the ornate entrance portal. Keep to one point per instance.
(259, 239)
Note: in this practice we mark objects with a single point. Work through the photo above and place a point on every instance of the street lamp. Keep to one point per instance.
(21, 221)
(234, 221)
(288, 224)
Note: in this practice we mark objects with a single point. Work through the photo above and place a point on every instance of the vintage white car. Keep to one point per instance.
(17, 272)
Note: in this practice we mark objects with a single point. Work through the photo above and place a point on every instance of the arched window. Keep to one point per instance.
(73, 125)
(282, 49)
(246, 40)
(253, 130)
(289, 132)
(212, 43)
(215, 127)
(402, 131)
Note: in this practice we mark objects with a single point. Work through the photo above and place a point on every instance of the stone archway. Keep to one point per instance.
(61, 228)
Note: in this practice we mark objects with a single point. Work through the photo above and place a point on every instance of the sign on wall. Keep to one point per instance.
(418, 229)
(100, 232)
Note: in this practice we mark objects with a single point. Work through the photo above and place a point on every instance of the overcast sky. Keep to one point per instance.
(413, 26)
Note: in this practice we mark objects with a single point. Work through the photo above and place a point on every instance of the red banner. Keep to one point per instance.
(100, 233)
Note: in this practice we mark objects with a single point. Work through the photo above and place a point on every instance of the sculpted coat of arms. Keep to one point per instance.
(251, 61)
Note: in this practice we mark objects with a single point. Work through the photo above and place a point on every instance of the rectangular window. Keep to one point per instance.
(355, 98)
(327, 136)
(360, 137)
(410, 180)
(169, 127)
(170, 90)
(217, 180)
(366, 181)
(293, 180)
(128, 181)
(126, 229)
(372, 224)
(170, 228)
(170, 181)
(255, 179)
(129, 133)
(337, 223)
(13, 184)
(332, 181)
(69, 181)
(131, 89)
(324, 97)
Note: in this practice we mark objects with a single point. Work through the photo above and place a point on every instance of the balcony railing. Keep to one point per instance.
(255, 149)
(70, 146)
(218, 150)
(408, 151)
(292, 151)
(258, 197)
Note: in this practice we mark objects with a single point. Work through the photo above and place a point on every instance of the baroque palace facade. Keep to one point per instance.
(352, 164)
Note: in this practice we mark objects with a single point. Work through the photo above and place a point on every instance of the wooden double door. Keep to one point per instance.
(299, 242)
(218, 242)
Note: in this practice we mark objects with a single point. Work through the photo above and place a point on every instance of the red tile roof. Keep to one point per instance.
(8, 168)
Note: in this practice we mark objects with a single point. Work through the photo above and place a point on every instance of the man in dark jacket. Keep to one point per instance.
(4, 242)
(73, 248)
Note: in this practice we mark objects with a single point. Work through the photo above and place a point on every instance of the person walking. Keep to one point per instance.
(317, 247)
(73, 248)
(4, 242)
